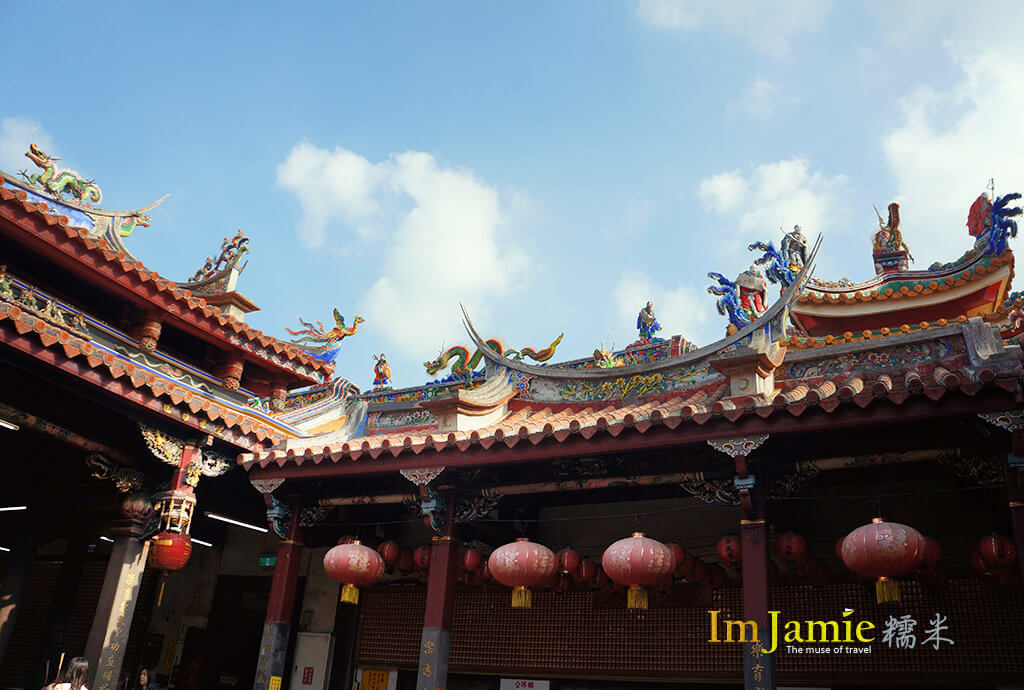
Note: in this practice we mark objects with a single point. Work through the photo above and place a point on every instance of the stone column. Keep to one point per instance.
(273, 661)
(108, 636)
(436, 638)
(12, 588)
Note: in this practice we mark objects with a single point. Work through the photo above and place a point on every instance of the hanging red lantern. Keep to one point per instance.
(347, 539)
(169, 551)
(520, 565)
(564, 583)
(637, 562)
(881, 551)
(678, 556)
(567, 561)
(421, 557)
(729, 550)
(469, 559)
(699, 572)
(839, 548)
(485, 571)
(389, 551)
(718, 576)
(932, 554)
(792, 549)
(405, 563)
(978, 564)
(353, 565)
(585, 572)
(997, 551)
(600, 580)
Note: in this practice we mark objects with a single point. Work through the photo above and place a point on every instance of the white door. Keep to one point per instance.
(312, 661)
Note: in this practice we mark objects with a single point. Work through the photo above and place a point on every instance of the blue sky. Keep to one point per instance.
(553, 165)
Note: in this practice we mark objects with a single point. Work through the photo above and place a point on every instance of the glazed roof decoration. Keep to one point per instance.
(325, 344)
(919, 336)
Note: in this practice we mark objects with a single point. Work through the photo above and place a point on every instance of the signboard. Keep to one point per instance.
(267, 560)
(524, 684)
(307, 675)
(374, 679)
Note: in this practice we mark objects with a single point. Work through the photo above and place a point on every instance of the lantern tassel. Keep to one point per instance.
(349, 594)
(522, 598)
(160, 594)
(887, 590)
(636, 597)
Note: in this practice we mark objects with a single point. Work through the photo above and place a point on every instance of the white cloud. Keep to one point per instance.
(782, 193)
(758, 100)
(16, 133)
(950, 142)
(681, 310)
(441, 226)
(768, 26)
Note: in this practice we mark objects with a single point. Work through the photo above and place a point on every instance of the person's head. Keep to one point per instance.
(144, 678)
(75, 673)
(649, 305)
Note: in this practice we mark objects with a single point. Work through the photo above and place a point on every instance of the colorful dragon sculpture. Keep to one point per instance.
(463, 365)
(992, 223)
(60, 182)
(325, 344)
(777, 269)
(128, 225)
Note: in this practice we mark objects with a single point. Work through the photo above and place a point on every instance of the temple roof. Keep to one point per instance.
(47, 221)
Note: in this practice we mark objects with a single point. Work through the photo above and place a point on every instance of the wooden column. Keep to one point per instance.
(112, 622)
(346, 627)
(12, 588)
(758, 666)
(1015, 494)
(273, 661)
(436, 638)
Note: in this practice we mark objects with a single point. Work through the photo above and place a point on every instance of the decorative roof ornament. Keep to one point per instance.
(646, 323)
(743, 301)
(381, 373)
(231, 251)
(992, 223)
(779, 270)
(463, 364)
(325, 344)
(889, 250)
(60, 182)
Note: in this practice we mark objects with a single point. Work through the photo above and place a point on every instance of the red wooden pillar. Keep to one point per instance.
(758, 665)
(273, 660)
(436, 638)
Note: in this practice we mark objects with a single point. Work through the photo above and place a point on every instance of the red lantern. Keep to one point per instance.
(564, 583)
(405, 562)
(347, 539)
(485, 571)
(520, 565)
(600, 579)
(421, 557)
(637, 562)
(389, 551)
(585, 572)
(932, 553)
(169, 551)
(839, 548)
(729, 551)
(792, 549)
(567, 561)
(699, 572)
(883, 550)
(978, 564)
(469, 559)
(997, 551)
(353, 565)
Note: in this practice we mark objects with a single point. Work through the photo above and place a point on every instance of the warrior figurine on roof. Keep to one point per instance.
(646, 323)
(889, 238)
(794, 249)
(381, 372)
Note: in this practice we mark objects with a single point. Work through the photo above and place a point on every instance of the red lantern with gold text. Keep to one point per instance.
(169, 551)
(353, 565)
(792, 549)
(521, 565)
(389, 551)
(883, 550)
(997, 551)
(729, 551)
(637, 562)
(567, 561)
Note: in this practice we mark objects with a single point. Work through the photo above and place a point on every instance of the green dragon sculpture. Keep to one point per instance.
(463, 365)
(128, 225)
(60, 182)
